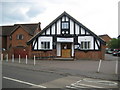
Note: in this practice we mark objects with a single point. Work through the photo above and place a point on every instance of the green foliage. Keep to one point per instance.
(114, 43)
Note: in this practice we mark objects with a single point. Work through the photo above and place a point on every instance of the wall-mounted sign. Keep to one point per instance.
(77, 46)
(64, 39)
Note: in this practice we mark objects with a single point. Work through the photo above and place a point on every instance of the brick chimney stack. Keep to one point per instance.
(38, 29)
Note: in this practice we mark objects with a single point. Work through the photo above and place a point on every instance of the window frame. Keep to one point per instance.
(20, 37)
(45, 45)
(65, 25)
(85, 45)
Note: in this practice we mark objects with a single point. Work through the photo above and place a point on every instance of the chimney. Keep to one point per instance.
(38, 28)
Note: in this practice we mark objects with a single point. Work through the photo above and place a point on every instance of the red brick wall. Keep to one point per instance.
(41, 53)
(15, 42)
(8, 43)
(106, 39)
(94, 55)
(4, 42)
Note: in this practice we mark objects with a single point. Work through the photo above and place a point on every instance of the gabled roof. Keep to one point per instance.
(65, 14)
(30, 28)
(104, 35)
(6, 30)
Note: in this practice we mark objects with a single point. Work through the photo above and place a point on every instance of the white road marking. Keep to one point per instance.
(80, 85)
(90, 86)
(110, 83)
(24, 82)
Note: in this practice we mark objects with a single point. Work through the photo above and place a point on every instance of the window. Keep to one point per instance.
(65, 25)
(45, 45)
(20, 37)
(85, 45)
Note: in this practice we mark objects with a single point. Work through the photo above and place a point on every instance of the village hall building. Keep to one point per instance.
(65, 37)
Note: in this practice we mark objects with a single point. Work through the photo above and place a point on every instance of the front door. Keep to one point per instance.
(66, 50)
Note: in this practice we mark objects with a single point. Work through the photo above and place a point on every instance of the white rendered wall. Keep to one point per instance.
(82, 31)
(53, 29)
(71, 27)
(45, 39)
(72, 47)
(87, 38)
(76, 29)
(48, 32)
(58, 27)
(58, 49)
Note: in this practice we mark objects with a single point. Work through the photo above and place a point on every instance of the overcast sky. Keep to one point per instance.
(100, 16)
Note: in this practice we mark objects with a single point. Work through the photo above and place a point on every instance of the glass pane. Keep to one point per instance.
(88, 45)
(65, 25)
(82, 45)
(85, 45)
(42, 45)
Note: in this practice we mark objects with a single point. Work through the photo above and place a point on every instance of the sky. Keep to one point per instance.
(100, 16)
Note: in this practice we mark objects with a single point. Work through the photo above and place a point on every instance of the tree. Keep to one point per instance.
(114, 43)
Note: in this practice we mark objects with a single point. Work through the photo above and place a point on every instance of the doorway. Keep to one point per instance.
(66, 50)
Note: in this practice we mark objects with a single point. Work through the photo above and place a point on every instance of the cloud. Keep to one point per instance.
(13, 12)
(35, 10)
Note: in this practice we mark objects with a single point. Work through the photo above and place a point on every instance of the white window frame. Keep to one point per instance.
(20, 37)
(85, 45)
(65, 25)
(45, 45)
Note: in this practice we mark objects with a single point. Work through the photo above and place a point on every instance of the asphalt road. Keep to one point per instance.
(16, 77)
(26, 76)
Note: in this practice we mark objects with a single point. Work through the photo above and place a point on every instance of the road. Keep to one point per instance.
(16, 77)
(25, 75)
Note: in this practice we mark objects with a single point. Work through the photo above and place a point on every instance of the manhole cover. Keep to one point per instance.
(111, 83)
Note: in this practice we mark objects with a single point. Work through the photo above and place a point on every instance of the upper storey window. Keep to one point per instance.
(65, 25)
(20, 37)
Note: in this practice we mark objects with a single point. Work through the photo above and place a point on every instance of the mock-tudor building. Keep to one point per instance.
(14, 38)
(65, 37)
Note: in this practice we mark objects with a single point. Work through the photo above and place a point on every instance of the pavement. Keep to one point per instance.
(87, 68)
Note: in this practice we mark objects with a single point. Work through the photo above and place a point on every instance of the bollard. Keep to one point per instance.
(7, 57)
(12, 57)
(19, 58)
(1, 57)
(116, 68)
(26, 59)
(34, 60)
(99, 66)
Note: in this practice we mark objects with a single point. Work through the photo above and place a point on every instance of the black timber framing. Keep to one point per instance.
(37, 43)
(74, 28)
(74, 20)
(85, 32)
(61, 25)
(55, 28)
(64, 18)
(33, 45)
(79, 30)
(94, 43)
(97, 44)
(50, 31)
(69, 25)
